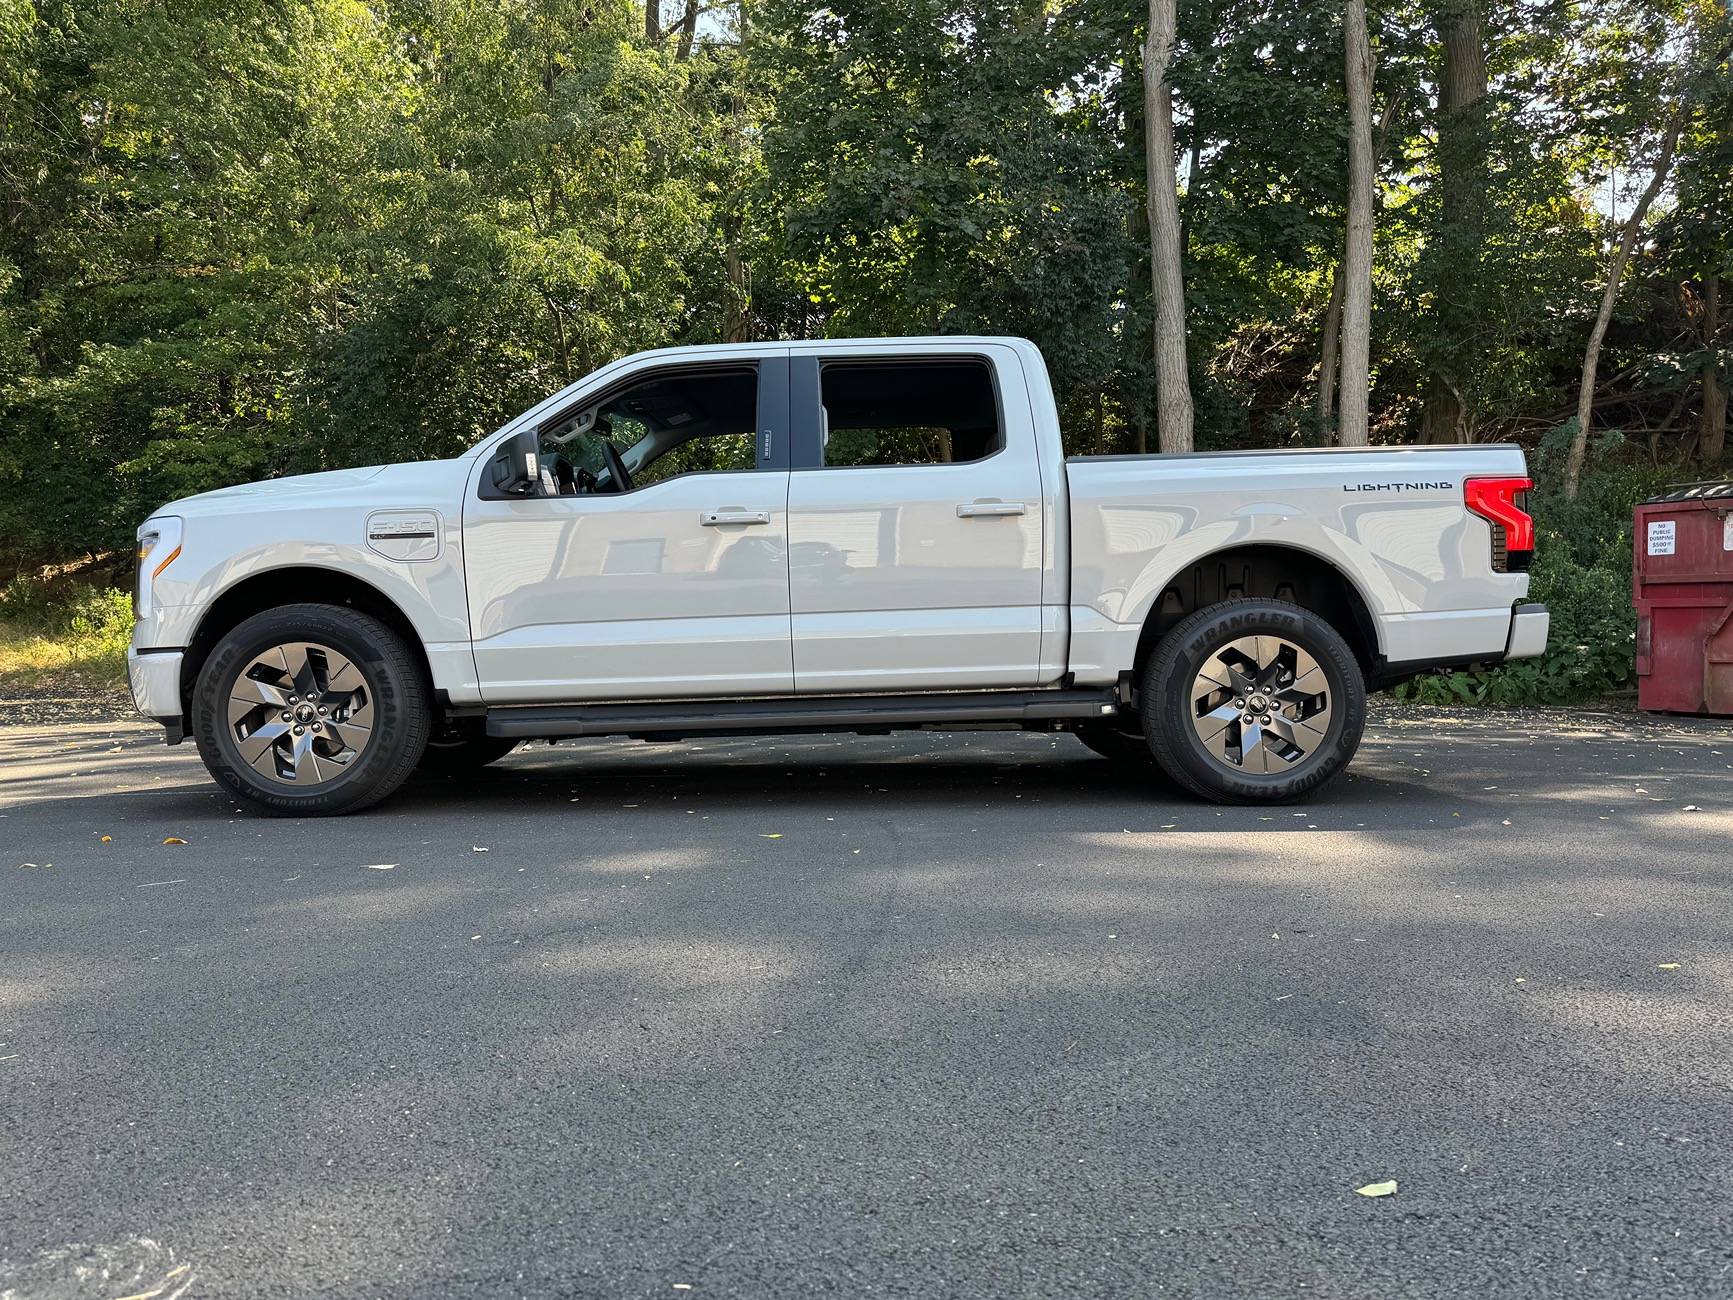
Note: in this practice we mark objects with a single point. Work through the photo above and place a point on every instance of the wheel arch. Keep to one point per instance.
(291, 585)
(1273, 570)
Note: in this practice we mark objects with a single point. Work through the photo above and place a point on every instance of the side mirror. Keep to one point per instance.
(516, 468)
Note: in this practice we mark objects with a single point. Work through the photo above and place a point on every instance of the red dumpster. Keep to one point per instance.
(1682, 585)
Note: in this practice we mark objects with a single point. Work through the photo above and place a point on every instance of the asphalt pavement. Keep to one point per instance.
(954, 1015)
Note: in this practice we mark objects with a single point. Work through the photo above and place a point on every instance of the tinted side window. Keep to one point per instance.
(674, 423)
(908, 413)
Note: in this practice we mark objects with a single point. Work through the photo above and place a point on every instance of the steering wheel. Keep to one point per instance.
(616, 467)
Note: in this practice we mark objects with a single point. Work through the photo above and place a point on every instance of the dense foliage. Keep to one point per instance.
(249, 237)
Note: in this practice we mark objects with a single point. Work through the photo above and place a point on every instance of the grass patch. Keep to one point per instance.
(57, 632)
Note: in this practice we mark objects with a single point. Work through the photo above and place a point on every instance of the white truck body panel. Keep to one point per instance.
(923, 577)
(622, 597)
(1391, 520)
(1019, 570)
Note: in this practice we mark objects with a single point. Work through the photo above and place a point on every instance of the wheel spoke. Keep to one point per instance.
(351, 734)
(1269, 648)
(1299, 733)
(343, 680)
(252, 692)
(1216, 672)
(1212, 724)
(1253, 756)
(1304, 687)
(303, 762)
(302, 674)
(258, 748)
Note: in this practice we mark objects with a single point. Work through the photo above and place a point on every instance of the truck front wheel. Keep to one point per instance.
(310, 710)
(1253, 701)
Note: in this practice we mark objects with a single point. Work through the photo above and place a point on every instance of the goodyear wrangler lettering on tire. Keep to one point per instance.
(1253, 701)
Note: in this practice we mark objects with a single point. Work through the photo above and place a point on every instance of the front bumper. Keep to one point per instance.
(155, 679)
(1529, 624)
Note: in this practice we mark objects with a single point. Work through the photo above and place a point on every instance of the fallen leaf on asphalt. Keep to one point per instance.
(25, 866)
(1668, 965)
(776, 836)
(1377, 1189)
(174, 839)
(108, 839)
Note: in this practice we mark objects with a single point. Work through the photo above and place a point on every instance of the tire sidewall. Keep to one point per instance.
(398, 708)
(1167, 701)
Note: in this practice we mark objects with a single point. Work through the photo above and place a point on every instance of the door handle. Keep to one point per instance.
(719, 518)
(989, 509)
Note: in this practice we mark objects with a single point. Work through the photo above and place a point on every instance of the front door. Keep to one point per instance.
(653, 562)
(914, 525)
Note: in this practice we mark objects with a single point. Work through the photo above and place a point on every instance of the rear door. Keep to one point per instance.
(677, 587)
(914, 522)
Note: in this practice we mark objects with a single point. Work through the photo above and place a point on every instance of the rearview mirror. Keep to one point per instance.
(516, 467)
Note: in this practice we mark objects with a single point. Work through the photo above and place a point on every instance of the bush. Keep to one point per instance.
(46, 629)
(99, 626)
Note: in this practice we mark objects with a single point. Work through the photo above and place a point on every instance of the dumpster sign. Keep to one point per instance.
(1663, 536)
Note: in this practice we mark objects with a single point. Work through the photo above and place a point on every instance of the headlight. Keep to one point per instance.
(159, 541)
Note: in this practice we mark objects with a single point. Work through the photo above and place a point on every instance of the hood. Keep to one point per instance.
(246, 495)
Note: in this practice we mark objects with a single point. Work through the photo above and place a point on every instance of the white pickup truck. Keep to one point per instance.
(855, 535)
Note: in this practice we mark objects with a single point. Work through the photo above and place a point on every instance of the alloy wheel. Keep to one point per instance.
(300, 713)
(1261, 704)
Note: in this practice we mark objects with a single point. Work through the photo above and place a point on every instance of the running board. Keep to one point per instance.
(811, 713)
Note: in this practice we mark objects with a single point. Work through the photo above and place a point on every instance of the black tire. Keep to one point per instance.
(1111, 742)
(456, 753)
(392, 684)
(1170, 705)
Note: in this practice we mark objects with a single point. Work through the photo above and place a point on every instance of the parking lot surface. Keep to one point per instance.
(940, 1015)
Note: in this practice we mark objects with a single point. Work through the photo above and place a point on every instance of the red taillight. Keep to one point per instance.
(1496, 500)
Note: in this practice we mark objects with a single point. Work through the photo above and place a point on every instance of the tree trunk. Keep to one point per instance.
(1330, 333)
(1352, 430)
(736, 318)
(653, 21)
(1462, 180)
(1329, 352)
(1615, 271)
(688, 31)
(1712, 435)
(1173, 383)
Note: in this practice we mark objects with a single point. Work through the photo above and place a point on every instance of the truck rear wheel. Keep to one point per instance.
(1253, 701)
(310, 710)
